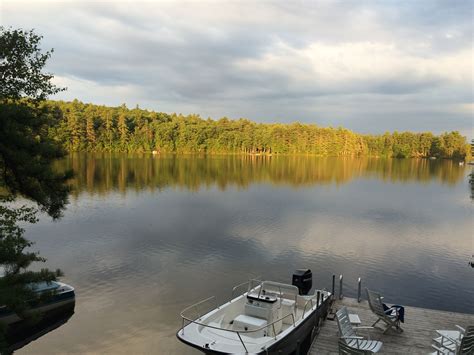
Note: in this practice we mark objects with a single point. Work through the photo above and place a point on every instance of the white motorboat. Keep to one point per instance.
(62, 295)
(270, 317)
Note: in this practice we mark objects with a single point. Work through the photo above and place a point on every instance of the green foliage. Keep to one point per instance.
(26, 155)
(451, 145)
(15, 259)
(26, 149)
(471, 175)
(119, 129)
(21, 65)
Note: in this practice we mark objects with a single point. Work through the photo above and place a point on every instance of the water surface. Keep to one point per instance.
(145, 236)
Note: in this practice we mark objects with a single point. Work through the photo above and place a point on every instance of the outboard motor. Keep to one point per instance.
(303, 279)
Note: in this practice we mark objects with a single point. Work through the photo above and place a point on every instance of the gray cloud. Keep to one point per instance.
(370, 66)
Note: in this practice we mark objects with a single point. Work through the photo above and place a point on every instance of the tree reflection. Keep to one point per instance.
(104, 173)
(471, 184)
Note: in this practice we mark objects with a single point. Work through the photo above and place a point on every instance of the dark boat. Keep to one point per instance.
(61, 296)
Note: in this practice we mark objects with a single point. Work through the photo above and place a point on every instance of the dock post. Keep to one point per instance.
(317, 299)
(333, 286)
(358, 290)
(340, 287)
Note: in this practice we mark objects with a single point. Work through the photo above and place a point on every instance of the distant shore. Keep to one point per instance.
(87, 127)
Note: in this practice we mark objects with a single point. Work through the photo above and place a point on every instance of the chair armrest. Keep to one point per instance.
(463, 331)
(438, 350)
(364, 328)
(351, 337)
(448, 348)
(448, 338)
(389, 313)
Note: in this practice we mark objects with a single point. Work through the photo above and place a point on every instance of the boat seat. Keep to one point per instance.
(302, 300)
(244, 322)
(288, 303)
(288, 306)
(217, 322)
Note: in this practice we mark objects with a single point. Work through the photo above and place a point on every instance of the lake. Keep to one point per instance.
(145, 236)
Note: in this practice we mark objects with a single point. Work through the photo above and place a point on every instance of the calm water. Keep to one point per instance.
(143, 237)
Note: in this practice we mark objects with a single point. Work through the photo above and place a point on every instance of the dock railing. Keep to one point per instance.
(341, 285)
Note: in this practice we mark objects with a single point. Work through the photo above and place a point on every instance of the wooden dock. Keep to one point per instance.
(419, 329)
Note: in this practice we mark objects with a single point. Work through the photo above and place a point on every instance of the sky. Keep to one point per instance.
(371, 66)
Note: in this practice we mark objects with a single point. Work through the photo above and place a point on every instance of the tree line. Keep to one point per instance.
(79, 126)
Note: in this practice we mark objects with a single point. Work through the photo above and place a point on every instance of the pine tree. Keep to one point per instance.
(90, 132)
(123, 131)
(109, 131)
(26, 154)
(75, 130)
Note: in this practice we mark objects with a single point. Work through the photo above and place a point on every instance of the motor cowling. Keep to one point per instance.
(303, 279)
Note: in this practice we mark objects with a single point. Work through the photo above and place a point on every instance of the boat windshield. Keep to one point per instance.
(43, 286)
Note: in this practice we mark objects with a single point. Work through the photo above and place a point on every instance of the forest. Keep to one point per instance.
(79, 127)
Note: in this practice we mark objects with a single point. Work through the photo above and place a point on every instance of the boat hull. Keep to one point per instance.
(296, 342)
(22, 333)
(63, 300)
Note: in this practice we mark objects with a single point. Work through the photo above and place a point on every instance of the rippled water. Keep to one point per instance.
(145, 236)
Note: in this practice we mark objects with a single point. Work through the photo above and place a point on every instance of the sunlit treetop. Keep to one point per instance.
(21, 66)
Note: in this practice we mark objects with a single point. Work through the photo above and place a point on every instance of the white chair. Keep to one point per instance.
(441, 351)
(376, 306)
(450, 339)
(456, 342)
(348, 335)
(345, 349)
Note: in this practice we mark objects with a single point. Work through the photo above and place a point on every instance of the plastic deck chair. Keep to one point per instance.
(345, 349)
(348, 334)
(455, 342)
(392, 319)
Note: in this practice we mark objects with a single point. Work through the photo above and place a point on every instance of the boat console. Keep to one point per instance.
(251, 297)
(264, 307)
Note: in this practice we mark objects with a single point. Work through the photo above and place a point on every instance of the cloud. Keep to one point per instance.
(271, 61)
(101, 92)
(362, 67)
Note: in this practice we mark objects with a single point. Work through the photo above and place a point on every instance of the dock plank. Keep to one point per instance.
(419, 329)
